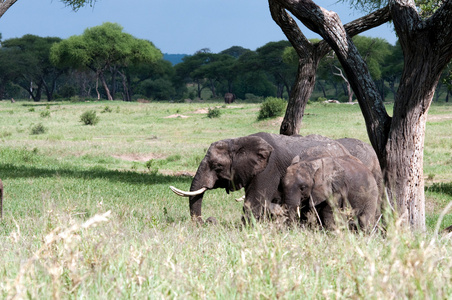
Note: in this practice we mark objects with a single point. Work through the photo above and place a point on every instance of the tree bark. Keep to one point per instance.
(427, 48)
(5, 5)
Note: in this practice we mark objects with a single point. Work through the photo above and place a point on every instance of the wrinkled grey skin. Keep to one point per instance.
(324, 184)
(366, 154)
(229, 98)
(257, 163)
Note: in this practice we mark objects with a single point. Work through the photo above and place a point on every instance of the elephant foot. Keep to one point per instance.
(212, 220)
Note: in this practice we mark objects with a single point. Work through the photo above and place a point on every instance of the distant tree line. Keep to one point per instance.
(106, 63)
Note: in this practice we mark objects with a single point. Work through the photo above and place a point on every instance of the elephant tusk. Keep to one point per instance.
(240, 199)
(187, 194)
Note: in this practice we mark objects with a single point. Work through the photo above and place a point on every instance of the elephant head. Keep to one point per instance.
(309, 182)
(230, 164)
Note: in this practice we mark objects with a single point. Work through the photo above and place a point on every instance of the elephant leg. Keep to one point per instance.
(366, 218)
(326, 215)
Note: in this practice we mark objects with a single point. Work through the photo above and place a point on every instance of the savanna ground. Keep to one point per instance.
(88, 213)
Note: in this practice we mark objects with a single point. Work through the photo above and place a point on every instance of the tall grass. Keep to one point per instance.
(87, 217)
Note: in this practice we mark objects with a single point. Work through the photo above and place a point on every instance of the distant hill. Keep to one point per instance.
(173, 58)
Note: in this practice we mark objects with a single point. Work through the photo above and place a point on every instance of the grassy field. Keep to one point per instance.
(88, 213)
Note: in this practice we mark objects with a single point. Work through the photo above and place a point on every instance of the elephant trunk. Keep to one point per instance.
(196, 200)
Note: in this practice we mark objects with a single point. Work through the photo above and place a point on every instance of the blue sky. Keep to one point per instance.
(174, 26)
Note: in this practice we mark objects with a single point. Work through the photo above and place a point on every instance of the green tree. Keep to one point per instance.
(33, 70)
(235, 51)
(271, 61)
(103, 49)
(190, 69)
(392, 67)
(374, 51)
(154, 80)
(218, 68)
(251, 78)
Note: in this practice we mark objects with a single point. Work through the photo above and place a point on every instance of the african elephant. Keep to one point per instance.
(325, 184)
(257, 163)
(229, 98)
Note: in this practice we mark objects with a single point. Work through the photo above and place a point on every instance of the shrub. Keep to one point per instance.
(75, 98)
(321, 99)
(89, 118)
(214, 113)
(272, 107)
(38, 129)
(151, 166)
(45, 114)
(107, 109)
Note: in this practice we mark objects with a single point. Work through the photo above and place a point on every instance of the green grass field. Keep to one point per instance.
(88, 213)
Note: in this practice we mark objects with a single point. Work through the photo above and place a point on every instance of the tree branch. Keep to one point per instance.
(5, 5)
(329, 26)
(443, 30)
(290, 28)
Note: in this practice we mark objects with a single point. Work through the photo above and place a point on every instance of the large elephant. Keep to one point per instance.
(229, 98)
(325, 184)
(257, 163)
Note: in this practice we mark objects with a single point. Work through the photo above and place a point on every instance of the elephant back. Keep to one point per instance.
(316, 146)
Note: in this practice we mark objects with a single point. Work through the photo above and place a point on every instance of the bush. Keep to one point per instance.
(272, 107)
(106, 109)
(214, 113)
(45, 114)
(89, 118)
(38, 129)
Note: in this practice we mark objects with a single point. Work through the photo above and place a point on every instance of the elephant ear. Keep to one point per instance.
(325, 172)
(251, 155)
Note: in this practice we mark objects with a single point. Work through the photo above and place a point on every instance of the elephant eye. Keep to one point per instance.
(217, 167)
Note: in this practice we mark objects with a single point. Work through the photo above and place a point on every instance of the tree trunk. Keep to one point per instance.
(346, 86)
(279, 90)
(2, 90)
(212, 88)
(113, 71)
(301, 91)
(125, 87)
(97, 86)
(105, 85)
(322, 87)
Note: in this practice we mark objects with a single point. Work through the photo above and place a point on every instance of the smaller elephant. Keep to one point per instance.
(324, 185)
(229, 98)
